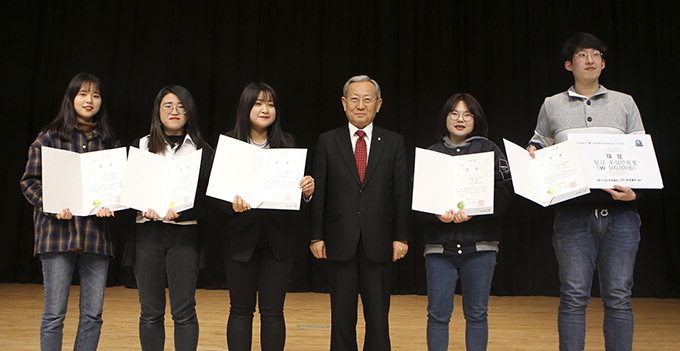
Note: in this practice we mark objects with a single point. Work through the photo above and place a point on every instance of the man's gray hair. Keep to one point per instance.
(361, 78)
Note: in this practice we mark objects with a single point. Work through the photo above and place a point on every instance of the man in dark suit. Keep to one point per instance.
(359, 215)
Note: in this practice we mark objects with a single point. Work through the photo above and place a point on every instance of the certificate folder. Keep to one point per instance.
(443, 182)
(160, 183)
(264, 178)
(82, 183)
(553, 176)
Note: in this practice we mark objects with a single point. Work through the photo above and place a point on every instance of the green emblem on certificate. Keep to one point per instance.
(551, 191)
(461, 205)
(96, 203)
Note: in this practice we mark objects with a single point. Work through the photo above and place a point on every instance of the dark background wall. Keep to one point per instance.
(505, 53)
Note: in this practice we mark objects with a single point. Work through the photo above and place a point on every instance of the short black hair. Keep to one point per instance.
(481, 127)
(579, 41)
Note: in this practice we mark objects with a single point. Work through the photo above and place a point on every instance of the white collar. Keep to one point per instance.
(187, 142)
(368, 130)
(187, 137)
(573, 93)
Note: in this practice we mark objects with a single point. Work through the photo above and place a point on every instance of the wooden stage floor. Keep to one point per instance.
(515, 323)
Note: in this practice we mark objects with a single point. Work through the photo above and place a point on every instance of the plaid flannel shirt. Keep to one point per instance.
(86, 234)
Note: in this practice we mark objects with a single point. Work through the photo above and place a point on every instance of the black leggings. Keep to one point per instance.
(263, 279)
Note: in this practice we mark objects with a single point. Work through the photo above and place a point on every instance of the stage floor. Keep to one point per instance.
(515, 323)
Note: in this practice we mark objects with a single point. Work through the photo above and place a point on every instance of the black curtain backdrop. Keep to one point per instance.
(506, 53)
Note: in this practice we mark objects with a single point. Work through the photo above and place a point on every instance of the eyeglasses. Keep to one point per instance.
(167, 108)
(582, 55)
(455, 115)
(367, 100)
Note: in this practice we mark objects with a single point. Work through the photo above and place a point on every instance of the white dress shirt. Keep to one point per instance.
(369, 133)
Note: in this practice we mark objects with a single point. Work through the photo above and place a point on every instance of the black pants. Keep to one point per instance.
(373, 280)
(167, 251)
(263, 279)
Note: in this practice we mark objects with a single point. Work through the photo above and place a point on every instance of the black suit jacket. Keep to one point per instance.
(344, 210)
(243, 231)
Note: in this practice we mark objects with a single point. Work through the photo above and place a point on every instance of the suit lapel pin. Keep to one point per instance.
(379, 138)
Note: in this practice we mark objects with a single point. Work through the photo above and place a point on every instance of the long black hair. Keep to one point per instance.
(275, 135)
(65, 120)
(157, 138)
(481, 127)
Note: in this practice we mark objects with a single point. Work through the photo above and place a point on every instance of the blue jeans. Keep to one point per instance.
(167, 252)
(57, 268)
(475, 271)
(586, 239)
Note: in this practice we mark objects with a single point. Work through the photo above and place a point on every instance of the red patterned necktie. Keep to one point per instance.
(360, 154)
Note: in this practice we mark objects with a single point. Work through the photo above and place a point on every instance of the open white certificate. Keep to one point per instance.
(443, 182)
(618, 159)
(83, 183)
(159, 183)
(555, 175)
(264, 178)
